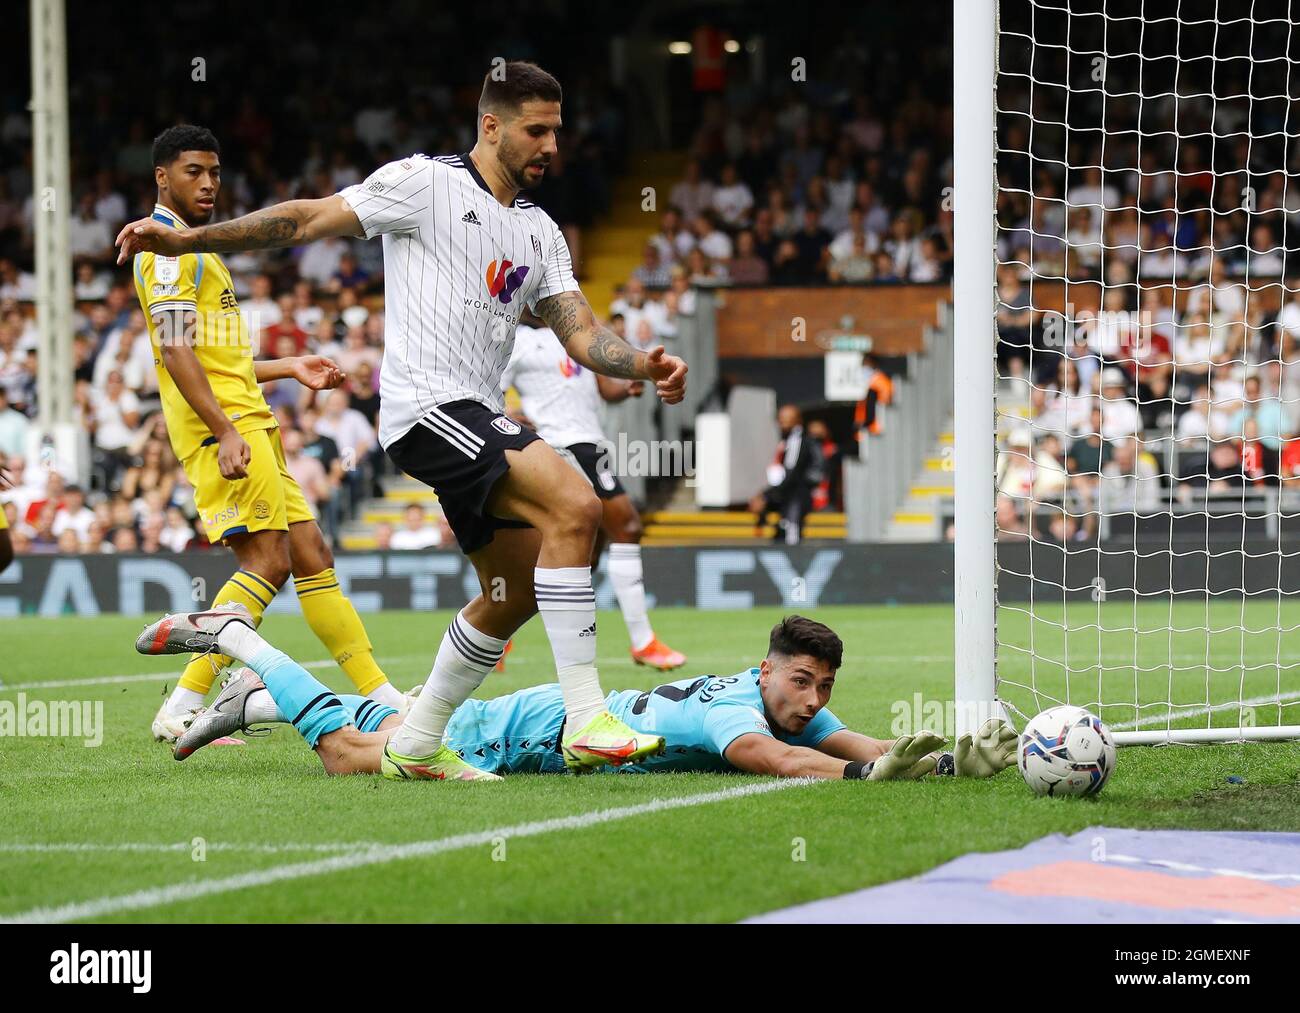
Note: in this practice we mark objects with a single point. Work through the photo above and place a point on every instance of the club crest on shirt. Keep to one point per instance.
(166, 269)
(504, 425)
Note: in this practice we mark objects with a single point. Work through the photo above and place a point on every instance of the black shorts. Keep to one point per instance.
(593, 461)
(459, 449)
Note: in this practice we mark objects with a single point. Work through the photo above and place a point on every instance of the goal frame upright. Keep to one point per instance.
(974, 59)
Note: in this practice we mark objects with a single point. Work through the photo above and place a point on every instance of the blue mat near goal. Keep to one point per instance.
(1098, 875)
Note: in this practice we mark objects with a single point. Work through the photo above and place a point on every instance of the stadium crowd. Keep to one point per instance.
(1148, 327)
(790, 186)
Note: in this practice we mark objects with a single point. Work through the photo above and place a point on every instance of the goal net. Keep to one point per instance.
(1146, 364)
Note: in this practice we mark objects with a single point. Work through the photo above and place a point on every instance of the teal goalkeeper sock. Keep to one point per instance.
(309, 704)
(367, 714)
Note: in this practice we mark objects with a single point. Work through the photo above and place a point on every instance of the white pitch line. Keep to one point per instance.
(1264, 877)
(147, 847)
(104, 680)
(1203, 711)
(377, 855)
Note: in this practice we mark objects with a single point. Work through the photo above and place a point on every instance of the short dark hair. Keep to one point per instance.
(168, 145)
(795, 635)
(507, 92)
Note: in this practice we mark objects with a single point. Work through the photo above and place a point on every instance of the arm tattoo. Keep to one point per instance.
(569, 316)
(613, 356)
(261, 230)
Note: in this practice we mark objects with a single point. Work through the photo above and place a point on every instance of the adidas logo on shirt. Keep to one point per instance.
(470, 218)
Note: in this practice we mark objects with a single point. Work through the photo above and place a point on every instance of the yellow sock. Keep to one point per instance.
(337, 625)
(247, 588)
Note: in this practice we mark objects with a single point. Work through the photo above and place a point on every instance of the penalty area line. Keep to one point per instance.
(378, 855)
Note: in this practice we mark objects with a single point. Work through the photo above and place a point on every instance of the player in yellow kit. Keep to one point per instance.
(6, 546)
(228, 441)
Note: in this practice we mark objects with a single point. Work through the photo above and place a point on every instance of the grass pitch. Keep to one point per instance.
(123, 832)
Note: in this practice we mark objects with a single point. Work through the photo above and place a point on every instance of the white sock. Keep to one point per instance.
(240, 642)
(629, 587)
(261, 708)
(568, 607)
(387, 693)
(183, 700)
(464, 659)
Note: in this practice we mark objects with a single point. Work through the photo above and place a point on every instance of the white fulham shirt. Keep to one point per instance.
(458, 269)
(559, 396)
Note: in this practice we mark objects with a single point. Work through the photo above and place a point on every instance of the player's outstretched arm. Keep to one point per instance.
(595, 346)
(850, 745)
(755, 753)
(293, 223)
(315, 372)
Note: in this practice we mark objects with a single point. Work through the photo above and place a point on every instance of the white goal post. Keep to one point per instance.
(1126, 201)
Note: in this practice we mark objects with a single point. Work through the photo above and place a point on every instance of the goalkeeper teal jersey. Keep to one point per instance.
(698, 718)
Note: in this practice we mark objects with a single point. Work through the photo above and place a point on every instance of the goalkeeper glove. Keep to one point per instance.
(909, 758)
(989, 752)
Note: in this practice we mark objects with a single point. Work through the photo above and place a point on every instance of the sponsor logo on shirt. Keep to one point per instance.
(503, 282)
(569, 368)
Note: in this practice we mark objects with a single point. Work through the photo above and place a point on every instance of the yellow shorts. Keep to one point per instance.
(4, 521)
(267, 500)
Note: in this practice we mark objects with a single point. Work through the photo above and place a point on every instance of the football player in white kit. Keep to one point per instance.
(463, 254)
(561, 400)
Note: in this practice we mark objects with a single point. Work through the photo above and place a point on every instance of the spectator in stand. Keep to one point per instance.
(177, 534)
(116, 415)
(90, 285)
(130, 351)
(14, 426)
(320, 261)
(902, 245)
(1271, 428)
(700, 270)
(74, 516)
(363, 392)
(349, 275)
(260, 310)
(673, 240)
(1009, 525)
(155, 472)
(383, 536)
(1131, 480)
(693, 194)
(1202, 421)
(747, 267)
(416, 532)
(89, 238)
(306, 314)
(711, 240)
(851, 266)
(355, 438)
(356, 351)
(307, 472)
(856, 226)
(812, 241)
(15, 284)
(733, 201)
(651, 272)
(1120, 416)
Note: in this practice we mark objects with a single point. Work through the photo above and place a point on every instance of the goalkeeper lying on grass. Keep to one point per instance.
(771, 719)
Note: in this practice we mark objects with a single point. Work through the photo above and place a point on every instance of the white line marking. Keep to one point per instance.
(103, 680)
(1164, 863)
(1202, 711)
(377, 855)
(19, 847)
